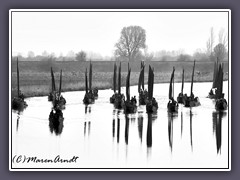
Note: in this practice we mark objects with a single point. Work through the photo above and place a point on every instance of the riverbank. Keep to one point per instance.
(35, 78)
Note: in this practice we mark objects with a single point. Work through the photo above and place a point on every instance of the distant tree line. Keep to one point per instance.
(132, 47)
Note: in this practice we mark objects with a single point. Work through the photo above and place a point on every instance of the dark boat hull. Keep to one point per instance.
(190, 101)
(221, 104)
(172, 106)
(129, 107)
(151, 106)
(18, 104)
(180, 98)
(112, 99)
(119, 101)
(143, 95)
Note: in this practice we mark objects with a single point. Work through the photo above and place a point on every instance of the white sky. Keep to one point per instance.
(60, 32)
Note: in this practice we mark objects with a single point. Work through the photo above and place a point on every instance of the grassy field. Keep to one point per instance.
(35, 78)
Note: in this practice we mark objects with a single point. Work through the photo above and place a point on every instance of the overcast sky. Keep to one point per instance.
(60, 32)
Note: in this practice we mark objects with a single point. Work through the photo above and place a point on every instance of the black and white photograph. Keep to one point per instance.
(120, 89)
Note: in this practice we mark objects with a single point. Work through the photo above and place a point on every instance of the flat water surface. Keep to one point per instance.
(103, 137)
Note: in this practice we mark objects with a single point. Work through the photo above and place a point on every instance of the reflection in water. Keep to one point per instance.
(149, 134)
(126, 129)
(191, 129)
(113, 126)
(118, 128)
(217, 128)
(87, 109)
(181, 123)
(140, 126)
(171, 117)
(18, 117)
(116, 114)
(56, 121)
(149, 131)
(87, 127)
(87, 123)
(170, 129)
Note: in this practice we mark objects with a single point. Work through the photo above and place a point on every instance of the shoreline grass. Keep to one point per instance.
(35, 78)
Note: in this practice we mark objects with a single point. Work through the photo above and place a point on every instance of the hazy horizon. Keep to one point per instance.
(97, 32)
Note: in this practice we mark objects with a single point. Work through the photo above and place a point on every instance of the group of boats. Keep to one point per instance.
(91, 93)
(146, 96)
(128, 103)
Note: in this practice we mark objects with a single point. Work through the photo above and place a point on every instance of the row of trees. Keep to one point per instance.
(71, 56)
(132, 46)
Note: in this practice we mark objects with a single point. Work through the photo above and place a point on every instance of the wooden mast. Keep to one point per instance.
(90, 76)
(114, 77)
(119, 79)
(128, 85)
(182, 81)
(192, 78)
(60, 85)
(18, 79)
(86, 81)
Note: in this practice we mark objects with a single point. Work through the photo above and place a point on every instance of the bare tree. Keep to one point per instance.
(210, 43)
(132, 39)
(220, 51)
(222, 38)
(31, 54)
(81, 56)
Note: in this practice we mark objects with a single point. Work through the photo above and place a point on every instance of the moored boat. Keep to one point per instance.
(151, 103)
(129, 106)
(221, 103)
(59, 101)
(191, 101)
(88, 97)
(143, 94)
(181, 95)
(112, 98)
(18, 103)
(119, 98)
(172, 103)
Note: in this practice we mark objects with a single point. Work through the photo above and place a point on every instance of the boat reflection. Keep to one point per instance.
(18, 117)
(87, 122)
(217, 128)
(126, 129)
(149, 131)
(56, 121)
(87, 109)
(171, 117)
(191, 141)
(140, 126)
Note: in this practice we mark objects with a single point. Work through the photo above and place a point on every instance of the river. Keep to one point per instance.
(103, 137)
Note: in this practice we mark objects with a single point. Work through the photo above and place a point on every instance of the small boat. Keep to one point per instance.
(191, 101)
(94, 91)
(181, 95)
(129, 106)
(119, 98)
(88, 97)
(221, 103)
(112, 99)
(18, 102)
(151, 103)
(58, 100)
(143, 94)
(172, 104)
(212, 93)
